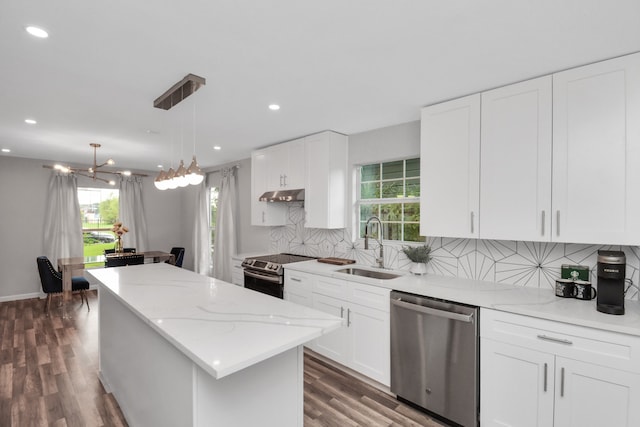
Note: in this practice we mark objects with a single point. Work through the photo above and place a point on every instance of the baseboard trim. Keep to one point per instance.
(22, 296)
(40, 295)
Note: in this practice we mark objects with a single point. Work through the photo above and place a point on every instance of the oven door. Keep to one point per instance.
(266, 283)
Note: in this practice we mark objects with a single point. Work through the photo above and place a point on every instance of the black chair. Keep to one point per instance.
(52, 282)
(178, 254)
(126, 251)
(124, 260)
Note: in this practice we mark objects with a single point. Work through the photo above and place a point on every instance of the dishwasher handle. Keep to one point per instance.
(467, 318)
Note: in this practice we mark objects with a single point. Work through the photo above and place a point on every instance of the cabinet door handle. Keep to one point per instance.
(280, 180)
(472, 215)
(545, 377)
(342, 312)
(348, 317)
(556, 340)
(295, 279)
(263, 217)
(557, 223)
(543, 221)
(285, 179)
(561, 382)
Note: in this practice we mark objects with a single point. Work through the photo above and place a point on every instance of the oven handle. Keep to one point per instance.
(266, 277)
(433, 311)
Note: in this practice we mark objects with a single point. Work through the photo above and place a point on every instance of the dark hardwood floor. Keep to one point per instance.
(49, 377)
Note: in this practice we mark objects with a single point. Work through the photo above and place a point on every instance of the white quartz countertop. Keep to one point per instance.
(535, 302)
(222, 327)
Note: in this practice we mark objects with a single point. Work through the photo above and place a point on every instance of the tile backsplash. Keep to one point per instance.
(532, 264)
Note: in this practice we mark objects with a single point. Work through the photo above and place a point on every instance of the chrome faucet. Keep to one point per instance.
(380, 259)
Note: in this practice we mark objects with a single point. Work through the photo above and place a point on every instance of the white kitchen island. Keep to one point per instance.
(181, 349)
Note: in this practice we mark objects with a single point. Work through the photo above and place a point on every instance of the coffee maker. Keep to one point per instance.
(611, 275)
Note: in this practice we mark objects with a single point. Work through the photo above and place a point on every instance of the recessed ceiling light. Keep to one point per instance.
(274, 107)
(217, 147)
(30, 121)
(6, 150)
(37, 32)
(160, 166)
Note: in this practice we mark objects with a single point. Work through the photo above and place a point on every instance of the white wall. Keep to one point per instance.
(23, 196)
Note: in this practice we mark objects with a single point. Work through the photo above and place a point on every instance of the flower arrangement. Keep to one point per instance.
(421, 254)
(119, 230)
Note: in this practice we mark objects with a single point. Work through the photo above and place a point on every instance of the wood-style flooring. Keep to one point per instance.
(49, 377)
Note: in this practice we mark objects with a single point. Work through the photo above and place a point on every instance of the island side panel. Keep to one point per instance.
(267, 394)
(151, 380)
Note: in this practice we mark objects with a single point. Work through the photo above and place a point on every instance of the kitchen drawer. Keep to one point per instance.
(298, 281)
(596, 346)
(331, 287)
(370, 296)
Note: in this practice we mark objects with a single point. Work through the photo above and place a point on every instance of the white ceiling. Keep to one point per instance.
(345, 65)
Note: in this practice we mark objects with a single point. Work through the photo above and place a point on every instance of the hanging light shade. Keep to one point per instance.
(171, 182)
(161, 180)
(194, 173)
(181, 176)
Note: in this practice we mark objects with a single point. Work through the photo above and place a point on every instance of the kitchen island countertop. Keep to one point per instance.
(223, 328)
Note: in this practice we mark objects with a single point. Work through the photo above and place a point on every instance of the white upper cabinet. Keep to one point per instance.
(325, 202)
(515, 162)
(450, 168)
(596, 153)
(286, 165)
(317, 163)
(551, 159)
(263, 213)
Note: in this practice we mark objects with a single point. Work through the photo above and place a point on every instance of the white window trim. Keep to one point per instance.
(393, 200)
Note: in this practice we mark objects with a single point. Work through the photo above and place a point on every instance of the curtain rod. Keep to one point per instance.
(223, 168)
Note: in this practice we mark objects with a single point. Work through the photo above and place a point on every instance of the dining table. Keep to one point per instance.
(68, 265)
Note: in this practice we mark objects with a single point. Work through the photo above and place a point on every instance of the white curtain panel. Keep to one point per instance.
(225, 239)
(62, 223)
(132, 214)
(202, 237)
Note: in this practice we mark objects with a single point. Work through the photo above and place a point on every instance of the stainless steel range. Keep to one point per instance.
(266, 273)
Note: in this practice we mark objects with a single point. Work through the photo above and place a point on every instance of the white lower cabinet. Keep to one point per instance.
(363, 342)
(538, 373)
(237, 272)
(297, 287)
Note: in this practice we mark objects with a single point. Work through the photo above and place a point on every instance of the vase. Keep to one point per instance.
(118, 248)
(418, 268)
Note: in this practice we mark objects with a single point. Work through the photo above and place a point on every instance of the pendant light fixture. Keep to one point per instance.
(193, 175)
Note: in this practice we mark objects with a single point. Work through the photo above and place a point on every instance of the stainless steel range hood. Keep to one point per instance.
(283, 196)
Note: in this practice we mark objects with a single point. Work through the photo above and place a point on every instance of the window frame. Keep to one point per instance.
(402, 201)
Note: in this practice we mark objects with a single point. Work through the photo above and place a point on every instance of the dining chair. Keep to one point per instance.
(124, 260)
(52, 282)
(178, 254)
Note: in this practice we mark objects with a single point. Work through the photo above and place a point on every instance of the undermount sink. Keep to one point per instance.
(368, 273)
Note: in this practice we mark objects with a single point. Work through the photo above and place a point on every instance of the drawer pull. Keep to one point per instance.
(556, 340)
(295, 279)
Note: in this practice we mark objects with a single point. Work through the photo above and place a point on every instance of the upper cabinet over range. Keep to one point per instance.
(317, 164)
(549, 159)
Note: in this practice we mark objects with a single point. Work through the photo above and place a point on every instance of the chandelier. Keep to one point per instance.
(93, 171)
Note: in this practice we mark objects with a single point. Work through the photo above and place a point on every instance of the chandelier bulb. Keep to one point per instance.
(171, 182)
(181, 176)
(194, 173)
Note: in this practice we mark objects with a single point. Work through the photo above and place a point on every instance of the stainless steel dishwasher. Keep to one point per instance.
(434, 356)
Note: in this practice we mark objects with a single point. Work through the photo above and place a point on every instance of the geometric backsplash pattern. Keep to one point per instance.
(531, 264)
